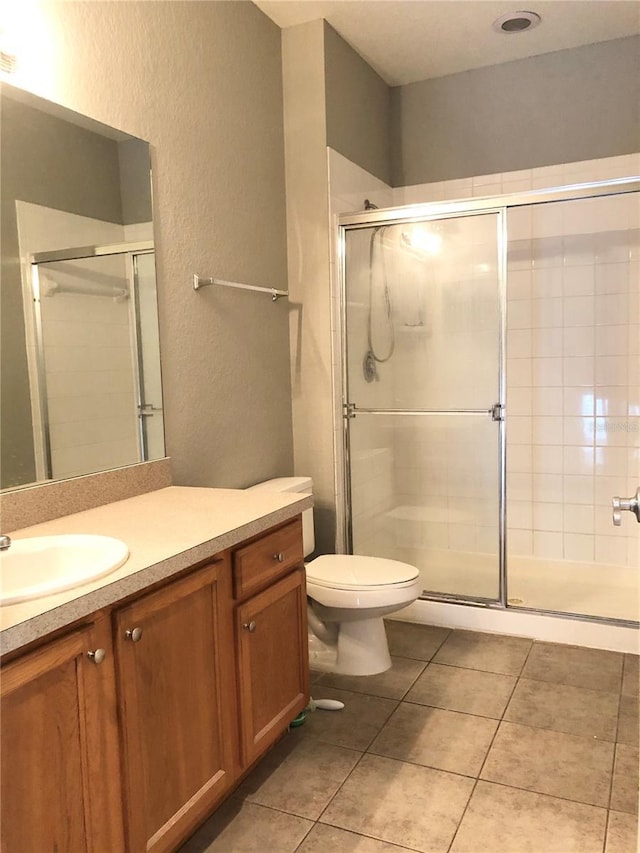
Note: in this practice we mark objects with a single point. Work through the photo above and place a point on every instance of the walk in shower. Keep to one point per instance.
(491, 396)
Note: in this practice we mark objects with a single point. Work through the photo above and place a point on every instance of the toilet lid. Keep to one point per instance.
(348, 571)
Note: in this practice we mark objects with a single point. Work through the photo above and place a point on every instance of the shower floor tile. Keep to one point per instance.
(498, 745)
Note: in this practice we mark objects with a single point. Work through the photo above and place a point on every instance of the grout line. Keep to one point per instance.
(341, 786)
(545, 794)
(464, 812)
(361, 834)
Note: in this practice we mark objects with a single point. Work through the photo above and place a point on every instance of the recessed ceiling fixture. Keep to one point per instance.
(516, 22)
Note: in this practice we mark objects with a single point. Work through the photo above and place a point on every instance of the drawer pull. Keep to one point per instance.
(97, 656)
(249, 626)
(133, 634)
(279, 557)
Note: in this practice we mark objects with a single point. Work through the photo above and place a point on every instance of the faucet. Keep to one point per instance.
(5, 542)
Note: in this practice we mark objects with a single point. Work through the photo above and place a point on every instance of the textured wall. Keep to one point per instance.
(358, 104)
(560, 107)
(202, 83)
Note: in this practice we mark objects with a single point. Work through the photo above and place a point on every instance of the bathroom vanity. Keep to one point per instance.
(133, 706)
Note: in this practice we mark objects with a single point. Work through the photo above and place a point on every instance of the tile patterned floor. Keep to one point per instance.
(470, 743)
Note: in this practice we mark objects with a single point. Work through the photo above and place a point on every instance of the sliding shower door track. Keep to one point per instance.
(494, 604)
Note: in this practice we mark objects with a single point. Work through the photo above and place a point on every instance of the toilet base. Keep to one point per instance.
(361, 649)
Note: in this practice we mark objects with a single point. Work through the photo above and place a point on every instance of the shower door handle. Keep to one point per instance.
(626, 504)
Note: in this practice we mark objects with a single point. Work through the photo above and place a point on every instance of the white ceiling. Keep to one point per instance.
(409, 40)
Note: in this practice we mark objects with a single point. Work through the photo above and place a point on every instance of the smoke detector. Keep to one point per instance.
(516, 22)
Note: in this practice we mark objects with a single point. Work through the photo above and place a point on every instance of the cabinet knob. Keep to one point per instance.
(133, 634)
(97, 656)
(279, 557)
(249, 626)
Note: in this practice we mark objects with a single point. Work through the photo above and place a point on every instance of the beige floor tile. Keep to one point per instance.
(407, 640)
(300, 776)
(630, 679)
(248, 828)
(468, 690)
(507, 820)
(624, 792)
(628, 720)
(355, 726)
(446, 740)
(392, 684)
(323, 839)
(488, 652)
(579, 667)
(404, 804)
(575, 710)
(555, 763)
(622, 833)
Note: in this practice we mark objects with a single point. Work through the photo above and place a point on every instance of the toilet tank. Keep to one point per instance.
(303, 485)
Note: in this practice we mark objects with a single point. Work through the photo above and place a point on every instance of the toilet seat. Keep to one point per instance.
(350, 572)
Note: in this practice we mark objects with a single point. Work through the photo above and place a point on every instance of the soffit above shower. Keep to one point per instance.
(410, 40)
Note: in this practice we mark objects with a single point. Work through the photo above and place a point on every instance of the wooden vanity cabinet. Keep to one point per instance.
(131, 747)
(271, 632)
(175, 678)
(60, 775)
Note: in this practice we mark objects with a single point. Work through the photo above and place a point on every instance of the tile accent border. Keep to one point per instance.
(44, 502)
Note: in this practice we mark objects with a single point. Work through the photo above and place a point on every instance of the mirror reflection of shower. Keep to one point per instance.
(96, 352)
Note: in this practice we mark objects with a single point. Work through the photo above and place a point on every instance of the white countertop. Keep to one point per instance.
(166, 531)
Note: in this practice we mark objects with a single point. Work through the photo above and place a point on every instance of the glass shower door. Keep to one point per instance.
(423, 325)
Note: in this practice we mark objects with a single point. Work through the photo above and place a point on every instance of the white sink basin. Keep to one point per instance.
(33, 568)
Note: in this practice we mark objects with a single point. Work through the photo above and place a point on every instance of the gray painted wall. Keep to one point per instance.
(46, 161)
(358, 107)
(560, 107)
(202, 82)
(135, 183)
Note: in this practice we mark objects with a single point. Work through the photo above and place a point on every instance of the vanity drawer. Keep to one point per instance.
(257, 564)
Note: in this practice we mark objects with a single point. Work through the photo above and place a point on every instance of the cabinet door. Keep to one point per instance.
(174, 656)
(60, 768)
(273, 662)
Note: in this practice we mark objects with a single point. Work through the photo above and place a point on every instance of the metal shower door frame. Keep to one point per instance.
(129, 251)
(391, 217)
(431, 211)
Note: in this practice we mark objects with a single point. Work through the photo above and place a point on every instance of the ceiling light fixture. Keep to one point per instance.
(516, 22)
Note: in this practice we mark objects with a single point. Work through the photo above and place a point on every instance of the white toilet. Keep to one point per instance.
(348, 596)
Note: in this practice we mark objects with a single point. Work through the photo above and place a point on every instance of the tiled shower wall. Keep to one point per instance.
(572, 378)
(552, 512)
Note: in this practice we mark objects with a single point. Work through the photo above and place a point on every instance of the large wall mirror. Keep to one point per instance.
(79, 348)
